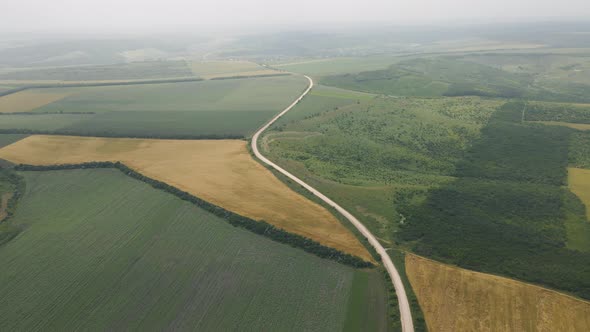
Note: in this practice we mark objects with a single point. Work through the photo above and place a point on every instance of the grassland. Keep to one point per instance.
(118, 254)
(224, 108)
(455, 299)
(25, 101)
(221, 172)
(464, 76)
(346, 146)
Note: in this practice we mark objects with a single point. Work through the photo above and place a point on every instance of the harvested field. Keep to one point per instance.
(26, 101)
(221, 172)
(579, 184)
(455, 299)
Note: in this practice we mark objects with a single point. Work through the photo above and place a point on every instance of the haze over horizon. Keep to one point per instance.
(155, 15)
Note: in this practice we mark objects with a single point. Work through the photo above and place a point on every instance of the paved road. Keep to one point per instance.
(404, 305)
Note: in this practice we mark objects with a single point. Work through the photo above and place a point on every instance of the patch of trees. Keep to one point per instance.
(579, 149)
(16, 184)
(63, 132)
(258, 227)
(557, 112)
(506, 212)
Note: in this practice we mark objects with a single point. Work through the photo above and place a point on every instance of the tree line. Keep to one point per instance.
(259, 227)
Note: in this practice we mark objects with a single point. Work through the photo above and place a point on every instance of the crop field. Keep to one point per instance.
(118, 254)
(125, 71)
(455, 299)
(332, 66)
(6, 139)
(218, 69)
(221, 172)
(26, 101)
(221, 108)
(256, 94)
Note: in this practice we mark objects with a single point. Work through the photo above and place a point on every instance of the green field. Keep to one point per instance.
(466, 76)
(332, 66)
(218, 108)
(10, 138)
(120, 254)
(124, 71)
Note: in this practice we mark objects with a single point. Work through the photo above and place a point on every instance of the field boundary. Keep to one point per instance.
(98, 84)
(135, 82)
(259, 227)
(60, 132)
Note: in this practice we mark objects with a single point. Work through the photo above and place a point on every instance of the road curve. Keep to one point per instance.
(404, 305)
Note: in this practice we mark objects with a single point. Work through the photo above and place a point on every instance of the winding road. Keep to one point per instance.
(404, 305)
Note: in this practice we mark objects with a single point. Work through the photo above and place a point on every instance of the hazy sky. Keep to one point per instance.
(111, 15)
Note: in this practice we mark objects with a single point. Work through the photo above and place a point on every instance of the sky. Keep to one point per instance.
(153, 15)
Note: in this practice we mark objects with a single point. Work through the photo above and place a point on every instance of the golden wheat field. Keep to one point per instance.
(28, 100)
(455, 299)
(219, 171)
(579, 183)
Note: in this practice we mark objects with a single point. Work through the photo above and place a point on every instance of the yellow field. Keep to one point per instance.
(27, 100)
(578, 126)
(455, 299)
(219, 171)
(578, 180)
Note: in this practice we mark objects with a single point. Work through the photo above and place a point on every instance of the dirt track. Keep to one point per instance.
(404, 305)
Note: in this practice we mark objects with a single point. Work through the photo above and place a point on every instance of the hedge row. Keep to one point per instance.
(11, 91)
(258, 227)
